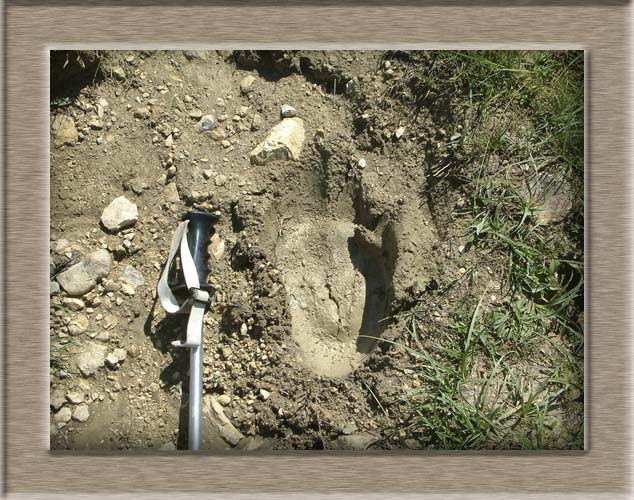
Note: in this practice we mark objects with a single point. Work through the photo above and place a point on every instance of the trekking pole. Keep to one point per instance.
(191, 240)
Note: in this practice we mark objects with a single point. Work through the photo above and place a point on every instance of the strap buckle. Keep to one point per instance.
(199, 295)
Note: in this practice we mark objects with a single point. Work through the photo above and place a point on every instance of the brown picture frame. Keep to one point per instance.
(33, 28)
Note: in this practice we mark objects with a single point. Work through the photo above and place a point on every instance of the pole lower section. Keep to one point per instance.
(195, 396)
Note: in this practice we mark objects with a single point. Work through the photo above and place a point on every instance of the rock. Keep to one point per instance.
(136, 184)
(142, 113)
(170, 192)
(250, 443)
(195, 54)
(132, 276)
(83, 276)
(217, 134)
(196, 114)
(72, 304)
(121, 354)
(284, 142)
(217, 246)
(62, 417)
(54, 287)
(214, 412)
(95, 124)
(127, 289)
(361, 163)
(119, 214)
(399, 132)
(264, 394)
(60, 245)
(92, 359)
(207, 123)
(288, 111)
(58, 398)
(256, 122)
(246, 83)
(243, 329)
(81, 413)
(78, 324)
(358, 441)
(63, 131)
(349, 428)
(75, 397)
(223, 399)
(208, 173)
(112, 361)
(552, 198)
(169, 446)
(220, 180)
(119, 73)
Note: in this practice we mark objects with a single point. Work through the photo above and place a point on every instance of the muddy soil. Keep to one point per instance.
(311, 261)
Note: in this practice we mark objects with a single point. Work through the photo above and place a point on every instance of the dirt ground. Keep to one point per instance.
(313, 259)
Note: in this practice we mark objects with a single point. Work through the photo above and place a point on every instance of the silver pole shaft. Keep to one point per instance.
(195, 396)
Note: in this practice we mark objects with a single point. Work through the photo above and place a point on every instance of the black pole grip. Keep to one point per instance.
(199, 233)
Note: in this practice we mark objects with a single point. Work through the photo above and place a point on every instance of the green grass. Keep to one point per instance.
(506, 373)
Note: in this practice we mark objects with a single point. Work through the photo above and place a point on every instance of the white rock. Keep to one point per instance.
(112, 361)
(264, 394)
(78, 324)
(57, 398)
(91, 359)
(284, 142)
(288, 111)
(63, 131)
(358, 441)
(223, 399)
(75, 397)
(62, 417)
(220, 180)
(213, 410)
(54, 287)
(217, 246)
(81, 413)
(83, 276)
(246, 83)
(207, 123)
(399, 132)
(132, 276)
(361, 163)
(119, 214)
(73, 304)
(170, 192)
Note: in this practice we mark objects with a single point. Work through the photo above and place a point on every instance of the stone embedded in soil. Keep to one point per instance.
(63, 131)
(264, 394)
(73, 304)
(58, 398)
(256, 122)
(81, 413)
(54, 287)
(196, 114)
(142, 113)
(284, 142)
(132, 276)
(216, 247)
(223, 399)
(78, 324)
(288, 111)
(83, 276)
(358, 442)
(214, 412)
(95, 124)
(75, 397)
(207, 123)
(91, 359)
(119, 214)
(246, 83)
(119, 73)
(220, 180)
(62, 417)
(399, 132)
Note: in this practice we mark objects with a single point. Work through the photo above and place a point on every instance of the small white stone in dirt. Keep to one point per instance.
(462, 270)
(207, 123)
(242, 112)
(246, 83)
(288, 111)
(57, 398)
(62, 417)
(95, 124)
(78, 324)
(208, 173)
(169, 446)
(112, 361)
(121, 354)
(220, 102)
(256, 122)
(119, 73)
(63, 131)
(264, 394)
(243, 329)
(119, 214)
(99, 140)
(284, 142)
(91, 359)
(83, 276)
(220, 180)
(169, 141)
(54, 287)
(132, 276)
(187, 98)
(217, 246)
(142, 113)
(75, 397)
(225, 144)
(361, 163)
(223, 399)
(127, 289)
(399, 132)
(72, 304)
(81, 413)
(196, 114)
(461, 248)
(170, 192)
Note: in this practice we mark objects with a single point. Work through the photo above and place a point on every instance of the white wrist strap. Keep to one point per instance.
(198, 299)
